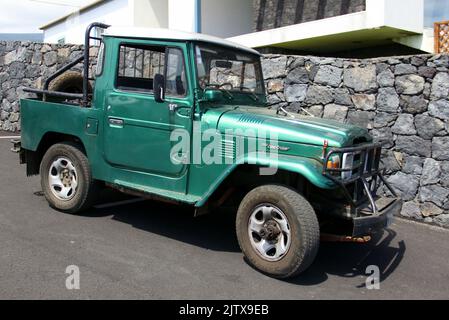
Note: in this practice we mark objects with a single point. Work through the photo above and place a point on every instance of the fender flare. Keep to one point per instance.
(310, 169)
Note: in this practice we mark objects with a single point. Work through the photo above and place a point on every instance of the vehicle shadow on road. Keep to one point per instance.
(217, 232)
(351, 260)
(213, 231)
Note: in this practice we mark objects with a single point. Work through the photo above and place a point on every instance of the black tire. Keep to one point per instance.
(86, 190)
(303, 224)
(69, 82)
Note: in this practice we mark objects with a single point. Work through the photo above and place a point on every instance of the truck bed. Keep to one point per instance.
(39, 118)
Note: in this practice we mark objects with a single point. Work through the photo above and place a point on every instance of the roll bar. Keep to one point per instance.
(87, 39)
(85, 57)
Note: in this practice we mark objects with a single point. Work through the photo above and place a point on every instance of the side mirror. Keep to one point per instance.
(213, 95)
(159, 88)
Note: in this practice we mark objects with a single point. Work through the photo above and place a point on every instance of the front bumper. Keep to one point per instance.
(367, 222)
(360, 183)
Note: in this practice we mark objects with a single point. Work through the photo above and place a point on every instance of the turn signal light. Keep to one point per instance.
(333, 162)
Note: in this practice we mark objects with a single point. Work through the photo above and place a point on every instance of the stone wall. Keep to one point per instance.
(26, 64)
(403, 101)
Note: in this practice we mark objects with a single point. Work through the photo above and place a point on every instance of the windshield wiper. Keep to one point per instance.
(253, 95)
(219, 87)
(292, 115)
(230, 95)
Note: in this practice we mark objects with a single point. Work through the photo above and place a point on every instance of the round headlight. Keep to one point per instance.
(333, 162)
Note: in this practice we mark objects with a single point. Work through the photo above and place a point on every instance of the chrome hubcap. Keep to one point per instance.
(269, 232)
(63, 179)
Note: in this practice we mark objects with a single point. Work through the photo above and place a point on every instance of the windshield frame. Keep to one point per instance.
(260, 84)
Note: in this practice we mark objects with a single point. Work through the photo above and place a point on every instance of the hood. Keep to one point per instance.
(301, 129)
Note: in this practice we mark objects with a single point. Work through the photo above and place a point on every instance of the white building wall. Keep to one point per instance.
(219, 18)
(226, 18)
(137, 13)
(150, 13)
(73, 28)
(181, 15)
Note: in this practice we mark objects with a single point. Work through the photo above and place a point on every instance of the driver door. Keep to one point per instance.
(137, 128)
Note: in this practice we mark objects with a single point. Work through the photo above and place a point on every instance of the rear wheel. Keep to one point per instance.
(277, 230)
(66, 178)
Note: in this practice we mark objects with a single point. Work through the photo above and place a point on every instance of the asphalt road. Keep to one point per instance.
(148, 250)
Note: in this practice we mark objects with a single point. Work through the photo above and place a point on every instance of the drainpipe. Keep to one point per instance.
(198, 16)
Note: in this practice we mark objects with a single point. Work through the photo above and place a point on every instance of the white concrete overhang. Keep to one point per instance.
(383, 22)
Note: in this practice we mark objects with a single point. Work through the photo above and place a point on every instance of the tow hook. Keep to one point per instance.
(325, 237)
(16, 145)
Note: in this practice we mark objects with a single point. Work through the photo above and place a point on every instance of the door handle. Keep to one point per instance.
(180, 110)
(116, 122)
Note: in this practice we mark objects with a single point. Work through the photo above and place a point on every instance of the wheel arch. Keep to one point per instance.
(298, 172)
(34, 158)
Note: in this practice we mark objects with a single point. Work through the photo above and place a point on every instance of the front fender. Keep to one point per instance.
(308, 168)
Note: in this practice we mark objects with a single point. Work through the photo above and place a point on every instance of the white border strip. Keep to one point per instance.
(9, 137)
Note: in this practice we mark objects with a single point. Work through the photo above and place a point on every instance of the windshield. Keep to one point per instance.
(227, 69)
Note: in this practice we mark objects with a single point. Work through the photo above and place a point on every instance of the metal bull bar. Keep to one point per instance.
(363, 173)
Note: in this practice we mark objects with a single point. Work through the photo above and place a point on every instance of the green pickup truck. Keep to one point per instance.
(138, 124)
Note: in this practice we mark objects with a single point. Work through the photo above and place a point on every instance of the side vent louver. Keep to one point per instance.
(228, 149)
(249, 118)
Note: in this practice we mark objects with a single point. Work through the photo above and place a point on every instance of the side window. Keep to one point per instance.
(138, 65)
(176, 81)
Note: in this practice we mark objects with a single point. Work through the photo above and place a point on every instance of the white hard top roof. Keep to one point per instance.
(159, 33)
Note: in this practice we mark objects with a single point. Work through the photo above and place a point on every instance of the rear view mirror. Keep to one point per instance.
(223, 64)
(159, 88)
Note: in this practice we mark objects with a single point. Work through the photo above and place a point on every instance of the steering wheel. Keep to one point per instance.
(226, 84)
(219, 86)
(248, 89)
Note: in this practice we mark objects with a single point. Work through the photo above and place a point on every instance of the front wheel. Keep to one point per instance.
(66, 178)
(277, 230)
